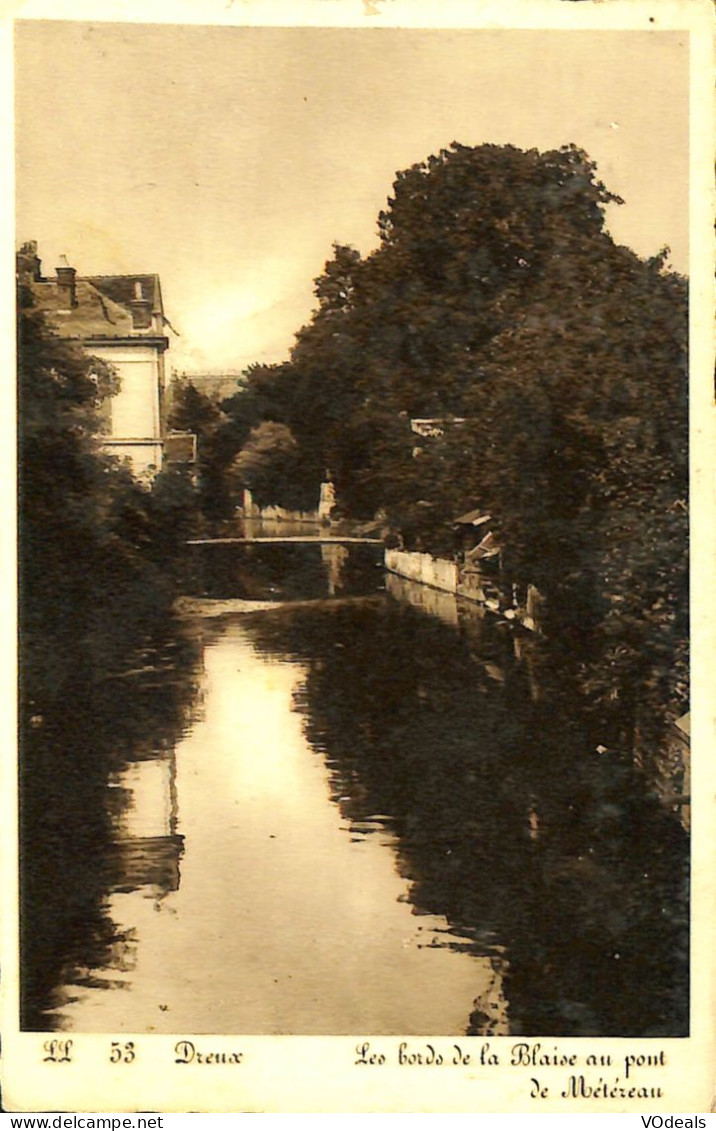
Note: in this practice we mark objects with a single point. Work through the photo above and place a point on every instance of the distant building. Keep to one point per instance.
(119, 318)
(433, 426)
(217, 386)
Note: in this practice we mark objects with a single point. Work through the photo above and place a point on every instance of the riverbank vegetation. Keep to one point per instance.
(549, 368)
(553, 364)
(90, 534)
(103, 673)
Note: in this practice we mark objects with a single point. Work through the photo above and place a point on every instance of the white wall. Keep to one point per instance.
(438, 572)
(135, 410)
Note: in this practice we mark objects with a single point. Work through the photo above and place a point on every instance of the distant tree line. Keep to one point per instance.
(496, 296)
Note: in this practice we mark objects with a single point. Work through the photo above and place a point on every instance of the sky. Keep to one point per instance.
(229, 159)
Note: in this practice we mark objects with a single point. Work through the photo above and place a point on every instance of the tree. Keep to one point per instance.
(192, 411)
(466, 238)
(91, 537)
(65, 490)
(269, 465)
(497, 296)
(269, 394)
(584, 414)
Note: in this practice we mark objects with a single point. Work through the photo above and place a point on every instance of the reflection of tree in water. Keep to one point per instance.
(550, 857)
(273, 572)
(87, 707)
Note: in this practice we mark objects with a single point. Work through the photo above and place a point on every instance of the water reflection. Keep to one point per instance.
(380, 815)
(96, 726)
(303, 921)
(435, 602)
(287, 572)
(146, 847)
(549, 857)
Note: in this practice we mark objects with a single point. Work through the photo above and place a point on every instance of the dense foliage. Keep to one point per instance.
(193, 411)
(93, 540)
(102, 671)
(555, 361)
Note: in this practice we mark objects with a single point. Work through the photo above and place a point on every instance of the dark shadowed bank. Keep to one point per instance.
(98, 554)
(553, 859)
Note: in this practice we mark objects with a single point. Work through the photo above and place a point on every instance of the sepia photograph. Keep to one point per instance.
(354, 540)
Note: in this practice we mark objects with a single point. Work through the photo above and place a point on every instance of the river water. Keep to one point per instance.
(325, 801)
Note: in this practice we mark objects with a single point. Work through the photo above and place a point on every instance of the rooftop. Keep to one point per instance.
(93, 315)
(123, 289)
(102, 306)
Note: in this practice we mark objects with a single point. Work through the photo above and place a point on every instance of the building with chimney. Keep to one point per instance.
(119, 318)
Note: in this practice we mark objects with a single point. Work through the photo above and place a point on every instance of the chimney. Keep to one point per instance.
(141, 308)
(27, 263)
(66, 285)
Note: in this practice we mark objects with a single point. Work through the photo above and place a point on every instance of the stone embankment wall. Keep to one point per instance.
(665, 764)
(275, 514)
(449, 576)
(326, 503)
(439, 573)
